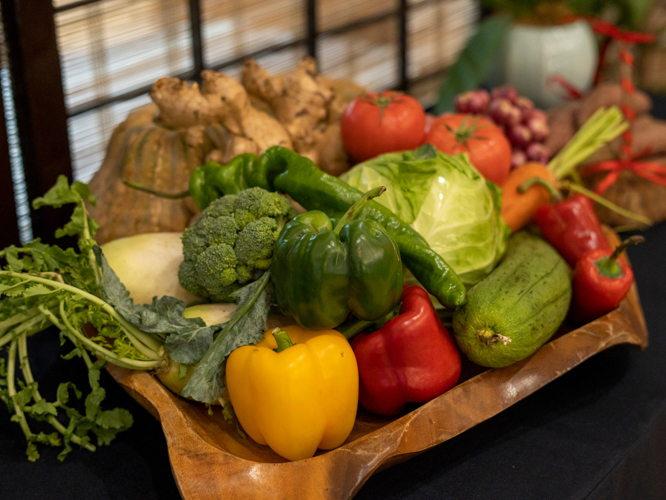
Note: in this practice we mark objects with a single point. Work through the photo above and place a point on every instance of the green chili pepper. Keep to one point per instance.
(280, 169)
(320, 273)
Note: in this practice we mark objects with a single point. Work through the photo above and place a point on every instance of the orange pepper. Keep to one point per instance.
(518, 208)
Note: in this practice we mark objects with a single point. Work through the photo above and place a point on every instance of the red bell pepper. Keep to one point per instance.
(572, 227)
(600, 282)
(411, 358)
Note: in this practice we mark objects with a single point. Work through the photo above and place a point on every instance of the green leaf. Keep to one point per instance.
(76, 352)
(473, 63)
(75, 224)
(245, 327)
(62, 395)
(37, 289)
(52, 439)
(31, 451)
(93, 402)
(65, 451)
(60, 194)
(43, 407)
(24, 396)
(118, 418)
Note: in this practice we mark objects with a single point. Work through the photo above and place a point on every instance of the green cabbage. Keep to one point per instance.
(446, 200)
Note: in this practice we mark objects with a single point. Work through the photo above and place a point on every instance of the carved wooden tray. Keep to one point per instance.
(210, 460)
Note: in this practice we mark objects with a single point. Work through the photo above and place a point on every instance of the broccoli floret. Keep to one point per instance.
(255, 243)
(209, 231)
(231, 241)
(187, 275)
(216, 268)
(222, 206)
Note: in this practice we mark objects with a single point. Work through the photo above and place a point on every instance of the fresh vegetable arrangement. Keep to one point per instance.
(364, 271)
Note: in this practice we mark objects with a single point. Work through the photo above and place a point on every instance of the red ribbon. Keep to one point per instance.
(608, 29)
(572, 93)
(650, 171)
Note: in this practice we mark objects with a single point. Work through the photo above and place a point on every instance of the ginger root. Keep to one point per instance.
(221, 99)
(307, 106)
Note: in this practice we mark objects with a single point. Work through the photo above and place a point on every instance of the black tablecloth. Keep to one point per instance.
(598, 432)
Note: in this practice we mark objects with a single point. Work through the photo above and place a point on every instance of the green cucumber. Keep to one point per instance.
(518, 307)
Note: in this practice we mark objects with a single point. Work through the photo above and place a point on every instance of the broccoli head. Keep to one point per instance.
(232, 242)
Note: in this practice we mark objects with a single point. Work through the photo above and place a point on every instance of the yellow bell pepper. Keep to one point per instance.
(299, 397)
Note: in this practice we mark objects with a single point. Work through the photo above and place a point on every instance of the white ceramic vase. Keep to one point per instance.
(533, 55)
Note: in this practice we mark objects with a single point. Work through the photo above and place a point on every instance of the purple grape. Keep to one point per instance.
(461, 102)
(502, 111)
(473, 101)
(504, 92)
(539, 128)
(525, 106)
(519, 135)
(518, 157)
(535, 113)
(538, 153)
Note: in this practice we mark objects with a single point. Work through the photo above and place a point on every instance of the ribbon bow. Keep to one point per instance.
(650, 171)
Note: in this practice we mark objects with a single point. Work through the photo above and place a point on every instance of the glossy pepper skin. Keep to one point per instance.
(280, 169)
(600, 282)
(321, 273)
(297, 400)
(411, 358)
(572, 227)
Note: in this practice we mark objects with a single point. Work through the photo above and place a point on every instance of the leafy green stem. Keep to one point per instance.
(37, 397)
(34, 325)
(140, 339)
(11, 390)
(87, 236)
(78, 338)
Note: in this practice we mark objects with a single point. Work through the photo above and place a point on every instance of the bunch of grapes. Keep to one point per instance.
(525, 126)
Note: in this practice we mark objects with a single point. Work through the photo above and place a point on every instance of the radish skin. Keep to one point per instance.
(147, 264)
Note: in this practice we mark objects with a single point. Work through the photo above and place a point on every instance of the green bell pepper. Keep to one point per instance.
(280, 169)
(320, 273)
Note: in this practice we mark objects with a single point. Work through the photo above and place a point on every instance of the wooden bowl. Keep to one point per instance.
(210, 460)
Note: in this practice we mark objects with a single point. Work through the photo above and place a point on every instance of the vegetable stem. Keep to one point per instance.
(34, 325)
(555, 195)
(77, 338)
(632, 240)
(282, 339)
(87, 236)
(37, 397)
(140, 339)
(606, 203)
(602, 127)
(11, 390)
(161, 194)
(357, 207)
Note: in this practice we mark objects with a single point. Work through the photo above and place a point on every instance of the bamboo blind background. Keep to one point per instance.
(111, 47)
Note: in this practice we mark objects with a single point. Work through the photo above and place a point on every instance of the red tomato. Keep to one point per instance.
(381, 123)
(488, 148)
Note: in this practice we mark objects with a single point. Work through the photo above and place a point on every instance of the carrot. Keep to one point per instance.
(518, 208)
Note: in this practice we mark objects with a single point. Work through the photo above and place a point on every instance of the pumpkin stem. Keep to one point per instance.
(161, 194)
